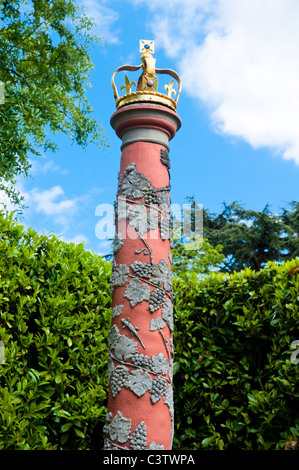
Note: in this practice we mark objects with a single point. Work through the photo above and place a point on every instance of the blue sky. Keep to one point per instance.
(239, 106)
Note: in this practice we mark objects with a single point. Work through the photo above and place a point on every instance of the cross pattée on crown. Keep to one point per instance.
(146, 46)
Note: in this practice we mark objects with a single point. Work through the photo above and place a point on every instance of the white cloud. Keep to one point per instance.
(5, 201)
(60, 212)
(240, 59)
(45, 201)
(44, 165)
(104, 18)
(79, 238)
(104, 248)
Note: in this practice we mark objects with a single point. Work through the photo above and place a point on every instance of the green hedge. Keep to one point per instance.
(235, 384)
(54, 321)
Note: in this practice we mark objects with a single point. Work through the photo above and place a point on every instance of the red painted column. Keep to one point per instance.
(140, 405)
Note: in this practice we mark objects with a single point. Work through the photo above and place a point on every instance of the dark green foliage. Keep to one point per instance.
(249, 238)
(238, 238)
(235, 385)
(54, 322)
(290, 218)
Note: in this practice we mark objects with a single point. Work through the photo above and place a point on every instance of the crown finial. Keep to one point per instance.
(146, 46)
(148, 78)
(147, 85)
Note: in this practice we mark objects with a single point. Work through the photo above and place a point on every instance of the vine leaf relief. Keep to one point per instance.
(117, 243)
(168, 400)
(157, 324)
(123, 346)
(156, 364)
(143, 220)
(119, 275)
(136, 292)
(139, 382)
(159, 364)
(135, 184)
(120, 428)
(116, 311)
(167, 314)
(164, 202)
(152, 219)
(162, 275)
(121, 208)
(119, 181)
(144, 208)
(110, 367)
(165, 158)
(138, 219)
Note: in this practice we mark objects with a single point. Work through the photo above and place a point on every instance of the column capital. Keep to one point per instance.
(144, 122)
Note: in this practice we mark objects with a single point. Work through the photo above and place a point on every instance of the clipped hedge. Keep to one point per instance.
(235, 384)
(54, 322)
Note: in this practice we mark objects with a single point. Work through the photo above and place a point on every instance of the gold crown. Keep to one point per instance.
(147, 85)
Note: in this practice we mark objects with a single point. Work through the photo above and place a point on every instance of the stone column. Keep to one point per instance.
(140, 405)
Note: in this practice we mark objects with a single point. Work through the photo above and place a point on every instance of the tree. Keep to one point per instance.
(199, 261)
(291, 220)
(241, 238)
(252, 238)
(45, 65)
(191, 252)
